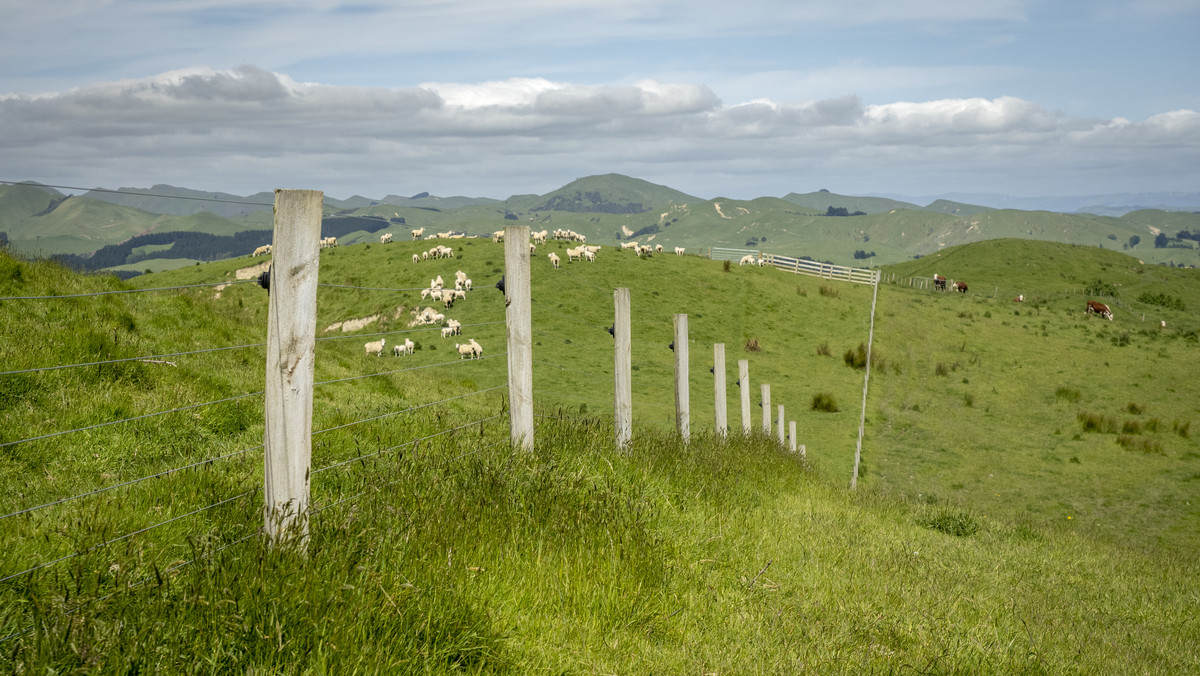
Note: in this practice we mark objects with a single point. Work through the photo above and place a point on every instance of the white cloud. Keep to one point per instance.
(247, 129)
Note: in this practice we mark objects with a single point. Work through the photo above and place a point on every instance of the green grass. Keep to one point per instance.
(990, 532)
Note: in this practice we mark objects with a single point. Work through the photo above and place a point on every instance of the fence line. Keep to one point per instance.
(359, 458)
(116, 291)
(801, 266)
(118, 361)
(407, 410)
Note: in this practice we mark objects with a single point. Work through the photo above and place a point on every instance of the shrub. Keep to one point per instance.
(856, 358)
(823, 401)
(1162, 300)
(1131, 427)
(823, 349)
(753, 346)
(728, 266)
(1100, 287)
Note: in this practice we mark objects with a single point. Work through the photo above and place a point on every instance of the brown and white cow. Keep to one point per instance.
(939, 282)
(960, 287)
(1100, 309)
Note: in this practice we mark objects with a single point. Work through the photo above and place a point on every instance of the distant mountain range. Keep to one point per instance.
(129, 230)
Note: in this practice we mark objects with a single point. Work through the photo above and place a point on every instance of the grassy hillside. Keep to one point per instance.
(821, 200)
(455, 554)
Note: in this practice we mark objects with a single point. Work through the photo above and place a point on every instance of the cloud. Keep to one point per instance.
(248, 129)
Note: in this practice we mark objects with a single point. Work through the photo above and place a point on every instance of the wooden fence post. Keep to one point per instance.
(622, 370)
(518, 318)
(291, 341)
(683, 412)
(720, 409)
(766, 409)
(779, 425)
(744, 384)
(862, 420)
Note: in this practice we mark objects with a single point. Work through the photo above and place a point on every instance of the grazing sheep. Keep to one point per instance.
(476, 347)
(465, 350)
(678, 251)
(416, 258)
(539, 237)
(385, 238)
(263, 250)
(629, 245)
(328, 242)
(1162, 324)
(658, 248)
(447, 332)
(589, 255)
(375, 347)
(454, 325)
(460, 276)
(467, 284)
(437, 318)
(572, 254)
(498, 236)
(406, 348)
(458, 294)
(416, 234)
(554, 259)
(748, 259)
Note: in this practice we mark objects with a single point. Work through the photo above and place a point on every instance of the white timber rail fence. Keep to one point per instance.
(800, 266)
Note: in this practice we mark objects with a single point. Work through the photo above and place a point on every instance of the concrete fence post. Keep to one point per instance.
(720, 409)
(683, 413)
(779, 425)
(792, 436)
(518, 319)
(622, 370)
(291, 341)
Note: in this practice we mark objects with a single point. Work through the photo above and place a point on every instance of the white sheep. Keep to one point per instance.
(385, 238)
(406, 348)
(437, 283)
(454, 325)
(476, 348)
(589, 255)
(629, 245)
(572, 254)
(748, 259)
(416, 234)
(678, 251)
(465, 350)
(437, 318)
(416, 258)
(467, 284)
(460, 276)
(554, 259)
(263, 250)
(375, 347)
(447, 332)
(658, 248)
(498, 236)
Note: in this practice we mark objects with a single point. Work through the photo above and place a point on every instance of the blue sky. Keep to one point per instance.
(465, 97)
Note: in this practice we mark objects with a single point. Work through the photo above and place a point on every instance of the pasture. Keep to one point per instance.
(455, 554)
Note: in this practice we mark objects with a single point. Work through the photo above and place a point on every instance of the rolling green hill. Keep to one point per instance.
(1028, 501)
(607, 209)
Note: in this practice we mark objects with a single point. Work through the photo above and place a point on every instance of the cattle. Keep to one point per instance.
(1019, 299)
(1100, 309)
(939, 282)
(960, 287)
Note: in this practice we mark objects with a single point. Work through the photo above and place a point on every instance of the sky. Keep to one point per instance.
(714, 98)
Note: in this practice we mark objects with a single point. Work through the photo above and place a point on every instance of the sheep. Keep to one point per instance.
(458, 294)
(397, 350)
(476, 347)
(385, 238)
(589, 255)
(658, 248)
(554, 259)
(406, 348)
(458, 285)
(264, 250)
(539, 237)
(454, 326)
(594, 248)
(437, 318)
(436, 283)
(748, 259)
(424, 294)
(678, 251)
(460, 276)
(416, 258)
(416, 234)
(424, 256)
(467, 284)
(447, 332)
(375, 347)
(498, 236)
(629, 245)
(465, 350)
(572, 254)
(328, 242)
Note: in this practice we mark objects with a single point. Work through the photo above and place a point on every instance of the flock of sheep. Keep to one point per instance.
(437, 291)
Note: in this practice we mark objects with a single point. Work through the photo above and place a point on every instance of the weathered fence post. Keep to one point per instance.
(779, 425)
(622, 370)
(744, 384)
(792, 435)
(720, 410)
(291, 341)
(766, 409)
(683, 413)
(518, 319)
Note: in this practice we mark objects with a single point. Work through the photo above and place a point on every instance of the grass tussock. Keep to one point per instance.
(1182, 428)
(753, 346)
(824, 350)
(824, 402)
(1097, 423)
(1137, 443)
(829, 291)
(1067, 394)
(943, 369)
(1135, 408)
(956, 522)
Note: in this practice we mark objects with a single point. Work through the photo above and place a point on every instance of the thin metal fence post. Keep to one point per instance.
(291, 341)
